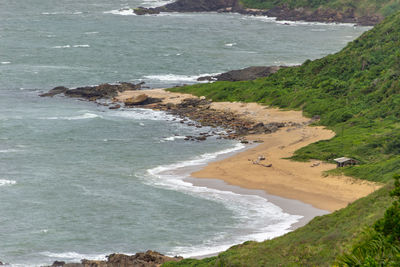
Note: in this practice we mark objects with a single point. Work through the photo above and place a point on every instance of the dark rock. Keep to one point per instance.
(58, 263)
(192, 6)
(250, 73)
(147, 259)
(201, 138)
(115, 107)
(93, 93)
(55, 91)
(144, 11)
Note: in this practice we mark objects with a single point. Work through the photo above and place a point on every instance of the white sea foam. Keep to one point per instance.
(173, 138)
(61, 46)
(69, 46)
(296, 23)
(73, 256)
(256, 218)
(142, 114)
(177, 78)
(155, 3)
(5, 62)
(122, 12)
(230, 44)
(4, 182)
(62, 13)
(51, 13)
(89, 33)
(81, 45)
(9, 150)
(79, 117)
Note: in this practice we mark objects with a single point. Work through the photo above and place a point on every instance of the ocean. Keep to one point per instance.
(78, 180)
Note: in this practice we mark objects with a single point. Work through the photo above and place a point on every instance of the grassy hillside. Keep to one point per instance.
(356, 92)
(361, 7)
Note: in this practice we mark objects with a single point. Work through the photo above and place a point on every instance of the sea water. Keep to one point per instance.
(80, 181)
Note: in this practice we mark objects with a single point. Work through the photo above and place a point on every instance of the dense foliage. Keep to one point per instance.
(361, 7)
(379, 245)
(356, 92)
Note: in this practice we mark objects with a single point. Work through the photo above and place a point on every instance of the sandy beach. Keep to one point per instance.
(303, 181)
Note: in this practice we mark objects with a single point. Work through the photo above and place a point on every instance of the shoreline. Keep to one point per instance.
(302, 181)
(280, 12)
(288, 206)
(296, 188)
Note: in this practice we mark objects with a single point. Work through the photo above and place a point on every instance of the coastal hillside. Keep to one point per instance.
(356, 93)
(363, 12)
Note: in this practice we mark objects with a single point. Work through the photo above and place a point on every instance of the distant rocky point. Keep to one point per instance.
(280, 12)
(246, 74)
(94, 93)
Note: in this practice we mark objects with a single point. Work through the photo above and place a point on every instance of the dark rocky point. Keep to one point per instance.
(93, 93)
(250, 73)
(282, 12)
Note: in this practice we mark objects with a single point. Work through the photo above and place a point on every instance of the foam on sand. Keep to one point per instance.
(256, 218)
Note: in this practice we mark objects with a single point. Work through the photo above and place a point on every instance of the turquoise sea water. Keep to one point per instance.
(78, 180)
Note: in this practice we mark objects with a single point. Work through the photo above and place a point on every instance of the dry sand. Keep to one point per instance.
(304, 181)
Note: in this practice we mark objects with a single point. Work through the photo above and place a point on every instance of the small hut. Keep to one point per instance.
(343, 162)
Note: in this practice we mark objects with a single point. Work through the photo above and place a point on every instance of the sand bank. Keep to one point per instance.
(303, 181)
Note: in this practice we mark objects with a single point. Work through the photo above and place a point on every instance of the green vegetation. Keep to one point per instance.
(361, 7)
(379, 245)
(356, 92)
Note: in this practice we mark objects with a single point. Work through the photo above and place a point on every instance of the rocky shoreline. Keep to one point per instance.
(282, 12)
(146, 259)
(193, 111)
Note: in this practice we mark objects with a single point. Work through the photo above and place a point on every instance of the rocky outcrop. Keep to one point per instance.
(250, 73)
(198, 112)
(321, 15)
(142, 99)
(282, 12)
(147, 259)
(93, 93)
(192, 6)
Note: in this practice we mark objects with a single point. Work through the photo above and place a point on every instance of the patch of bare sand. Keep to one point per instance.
(303, 181)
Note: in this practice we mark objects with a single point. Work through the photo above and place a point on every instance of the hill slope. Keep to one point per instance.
(356, 92)
(363, 11)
